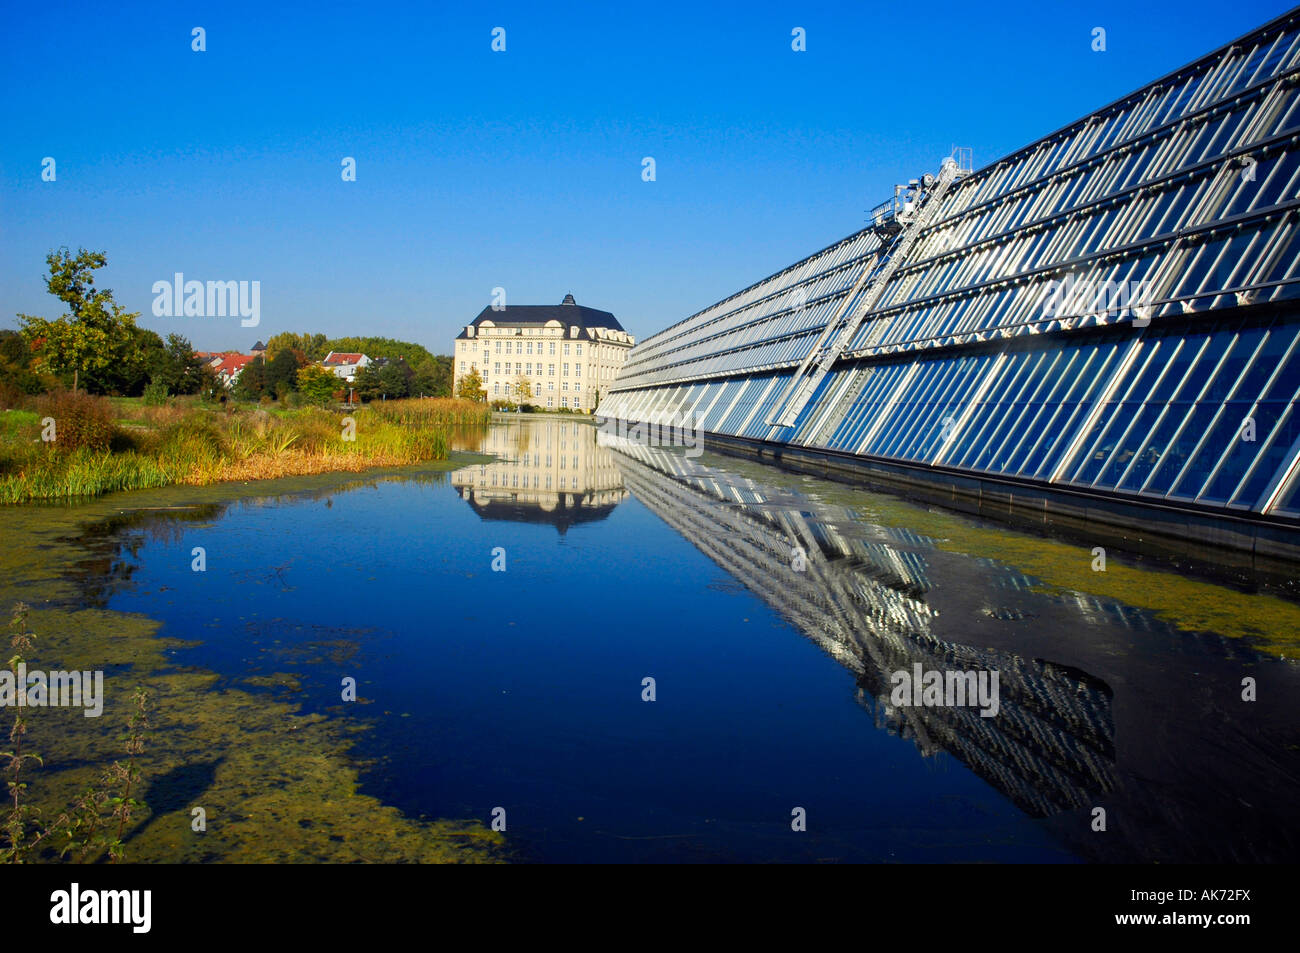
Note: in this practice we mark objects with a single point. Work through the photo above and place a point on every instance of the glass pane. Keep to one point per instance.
(1131, 444)
(1176, 455)
(1226, 430)
(1275, 453)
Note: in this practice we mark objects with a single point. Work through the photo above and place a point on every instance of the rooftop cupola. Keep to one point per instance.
(568, 299)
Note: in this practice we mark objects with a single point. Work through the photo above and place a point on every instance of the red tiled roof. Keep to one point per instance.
(234, 364)
(340, 358)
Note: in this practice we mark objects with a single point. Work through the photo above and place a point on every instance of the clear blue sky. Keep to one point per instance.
(519, 169)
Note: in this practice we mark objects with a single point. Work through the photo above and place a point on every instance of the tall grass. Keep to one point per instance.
(197, 445)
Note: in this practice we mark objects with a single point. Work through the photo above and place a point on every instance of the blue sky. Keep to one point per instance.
(520, 169)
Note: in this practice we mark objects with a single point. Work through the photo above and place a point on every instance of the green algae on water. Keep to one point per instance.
(275, 785)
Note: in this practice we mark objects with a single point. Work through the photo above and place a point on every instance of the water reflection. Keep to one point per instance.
(1101, 703)
(546, 471)
(1191, 786)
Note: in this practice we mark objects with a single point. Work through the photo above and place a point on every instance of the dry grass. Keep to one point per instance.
(195, 445)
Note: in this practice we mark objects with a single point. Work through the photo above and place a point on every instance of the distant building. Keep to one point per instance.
(231, 366)
(345, 365)
(568, 353)
(258, 349)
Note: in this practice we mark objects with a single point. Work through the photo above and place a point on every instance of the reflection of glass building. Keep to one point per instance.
(546, 471)
(1108, 313)
(1177, 788)
(862, 600)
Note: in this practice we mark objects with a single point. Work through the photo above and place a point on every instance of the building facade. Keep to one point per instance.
(568, 355)
(1108, 314)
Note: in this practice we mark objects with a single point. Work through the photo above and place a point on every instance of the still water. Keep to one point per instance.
(771, 610)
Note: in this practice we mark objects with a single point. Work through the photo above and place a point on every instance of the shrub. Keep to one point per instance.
(193, 444)
(155, 394)
(80, 420)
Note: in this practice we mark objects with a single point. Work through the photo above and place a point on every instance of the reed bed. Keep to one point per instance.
(196, 445)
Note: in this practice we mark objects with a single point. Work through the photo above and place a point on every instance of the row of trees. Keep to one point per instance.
(409, 370)
(97, 346)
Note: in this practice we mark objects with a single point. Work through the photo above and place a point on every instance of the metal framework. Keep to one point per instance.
(1112, 307)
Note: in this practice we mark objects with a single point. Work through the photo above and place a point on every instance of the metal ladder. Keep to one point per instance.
(903, 224)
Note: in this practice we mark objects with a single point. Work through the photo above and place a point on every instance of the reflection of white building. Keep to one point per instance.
(345, 365)
(547, 471)
(568, 353)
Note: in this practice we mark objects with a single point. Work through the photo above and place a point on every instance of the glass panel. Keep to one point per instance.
(1175, 456)
(1274, 455)
(1222, 427)
(1242, 446)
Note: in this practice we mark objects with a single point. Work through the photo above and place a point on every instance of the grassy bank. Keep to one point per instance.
(101, 445)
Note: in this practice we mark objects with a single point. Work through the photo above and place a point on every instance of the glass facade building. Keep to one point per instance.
(1113, 309)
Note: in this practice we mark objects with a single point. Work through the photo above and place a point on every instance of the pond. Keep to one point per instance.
(632, 654)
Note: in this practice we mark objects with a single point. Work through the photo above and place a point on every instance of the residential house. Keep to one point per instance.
(345, 365)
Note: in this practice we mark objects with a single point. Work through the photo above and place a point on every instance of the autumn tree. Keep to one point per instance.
(471, 386)
(95, 334)
(317, 384)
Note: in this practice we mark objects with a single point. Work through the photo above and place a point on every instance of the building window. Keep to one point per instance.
(564, 402)
(496, 388)
(496, 367)
(565, 386)
(566, 369)
(550, 385)
(550, 369)
(530, 367)
(566, 350)
(552, 349)
(462, 365)
(579, 351)
(550, 402)
(577, 369)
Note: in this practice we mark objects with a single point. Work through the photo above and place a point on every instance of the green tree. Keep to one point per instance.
(523, 389)
(129, 375)
(317, 384)
(313, 347)
(366, 384)
(251, 382)
(177, 367)
(394, 379)
(431, 378)
(471, 386)
(282, 373)
(93, 336)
